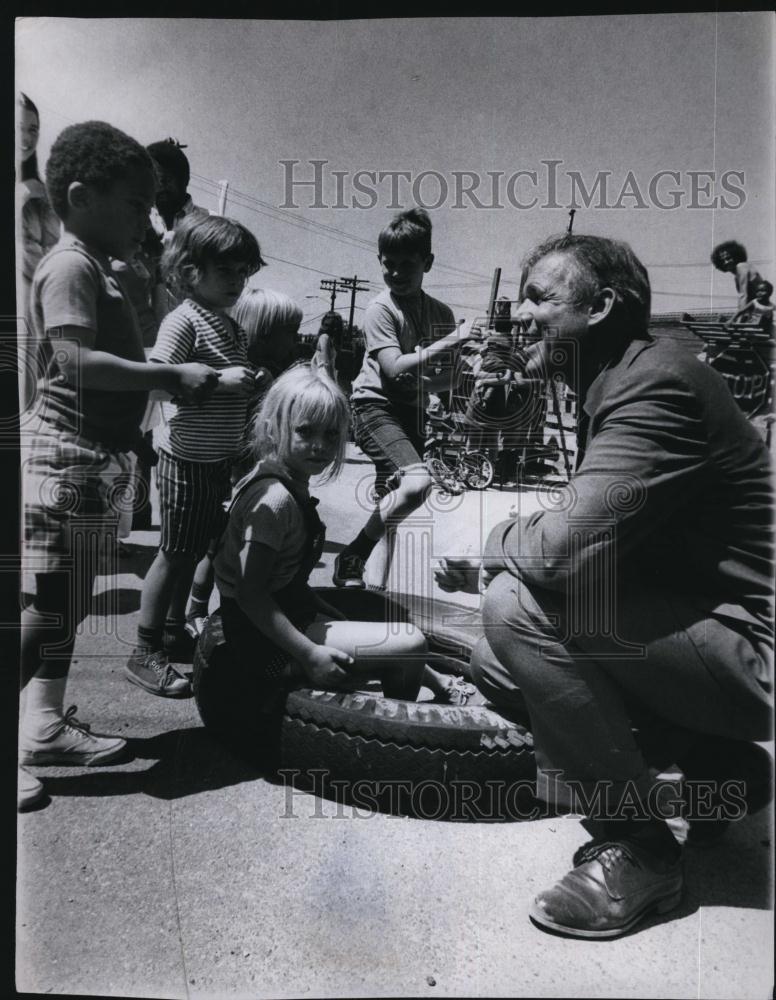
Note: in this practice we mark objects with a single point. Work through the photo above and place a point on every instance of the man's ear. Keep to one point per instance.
(78, 195)
(427, 263)
(602, 305)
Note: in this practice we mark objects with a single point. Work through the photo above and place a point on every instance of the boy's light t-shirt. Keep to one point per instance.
(405, 323)
(271, 517)
(75, 286)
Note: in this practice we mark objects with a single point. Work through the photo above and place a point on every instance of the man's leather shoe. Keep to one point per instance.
(613, 886)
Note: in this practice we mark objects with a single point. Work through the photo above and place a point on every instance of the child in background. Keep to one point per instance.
(326, 346)
(759, 310)
(93, 394)
(391, 392)
(271, 322)
(39, 223)
(37, 230)
(209, 260)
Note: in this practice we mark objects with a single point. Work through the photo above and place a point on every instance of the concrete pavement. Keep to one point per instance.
(185, 873)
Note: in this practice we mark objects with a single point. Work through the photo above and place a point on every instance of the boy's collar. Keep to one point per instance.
(70, 238)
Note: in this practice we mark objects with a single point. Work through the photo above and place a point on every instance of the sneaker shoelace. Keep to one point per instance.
(163, 669)
(77, 728)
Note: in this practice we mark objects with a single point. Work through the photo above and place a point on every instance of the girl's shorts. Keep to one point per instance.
(392, 435)
(76, 494)
(191, 503)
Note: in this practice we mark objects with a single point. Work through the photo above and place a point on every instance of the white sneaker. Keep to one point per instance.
(29, 791)
(72, 745)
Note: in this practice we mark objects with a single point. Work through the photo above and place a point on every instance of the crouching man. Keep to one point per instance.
(640, 598)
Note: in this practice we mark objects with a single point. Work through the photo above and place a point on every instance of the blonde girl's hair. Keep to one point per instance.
(261, 312)
(301, 394)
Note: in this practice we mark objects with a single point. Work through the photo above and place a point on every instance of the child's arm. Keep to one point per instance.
(82, 365)
(741, 313)
(175, 344)
(322, 665)
(392, 362)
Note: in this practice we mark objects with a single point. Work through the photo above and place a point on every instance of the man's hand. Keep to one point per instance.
(324, 666)
(459, 574)
(237, 381)
(195, 381)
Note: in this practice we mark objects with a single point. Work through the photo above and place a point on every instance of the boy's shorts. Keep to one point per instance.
(191, 503)
(76, 494)
(392, 435)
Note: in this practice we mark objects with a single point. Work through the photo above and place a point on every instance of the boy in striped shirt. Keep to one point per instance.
(208, 261)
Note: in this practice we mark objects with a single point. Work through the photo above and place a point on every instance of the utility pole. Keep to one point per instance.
(355, 286)
(330, 285)
(493, 293)
(223, 187)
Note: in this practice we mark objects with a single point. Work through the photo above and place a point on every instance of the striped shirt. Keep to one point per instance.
(210, 431)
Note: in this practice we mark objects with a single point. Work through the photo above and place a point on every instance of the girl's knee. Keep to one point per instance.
(410, 641)
(415, 486)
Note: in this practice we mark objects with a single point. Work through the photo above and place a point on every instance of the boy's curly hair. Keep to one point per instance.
(408, 232)
(203, 239)
(94, 153)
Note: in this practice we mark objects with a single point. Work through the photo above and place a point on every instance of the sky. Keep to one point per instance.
(610, 99)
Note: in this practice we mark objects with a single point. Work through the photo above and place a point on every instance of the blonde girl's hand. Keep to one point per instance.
(326, 666)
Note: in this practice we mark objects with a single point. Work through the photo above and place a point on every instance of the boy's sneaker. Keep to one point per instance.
(72, 745)
(349, 570)
(153, 672)
(29, 791)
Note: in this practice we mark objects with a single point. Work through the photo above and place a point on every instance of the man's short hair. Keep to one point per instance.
(94, 153)
(736, 250)
(601, 263)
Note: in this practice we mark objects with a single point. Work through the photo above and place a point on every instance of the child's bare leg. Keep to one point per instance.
(162, 576)
(47, 734)
(202, 587)
(413, 488)
(392, 651)
(181, 589)
(148, 667)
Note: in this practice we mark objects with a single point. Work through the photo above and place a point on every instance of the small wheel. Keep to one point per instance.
(442, 474)
(477, 469)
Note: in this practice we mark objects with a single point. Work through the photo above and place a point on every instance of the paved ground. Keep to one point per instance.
(184, 873)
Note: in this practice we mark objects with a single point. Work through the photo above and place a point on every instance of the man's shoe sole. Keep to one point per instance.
(45, 758)
(184, 692)
(659, 906)
(344, 584)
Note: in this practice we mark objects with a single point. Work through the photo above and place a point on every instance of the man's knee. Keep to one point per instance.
(510, 602)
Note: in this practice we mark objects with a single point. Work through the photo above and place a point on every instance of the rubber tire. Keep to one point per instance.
(483, 476)
(358, 735)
